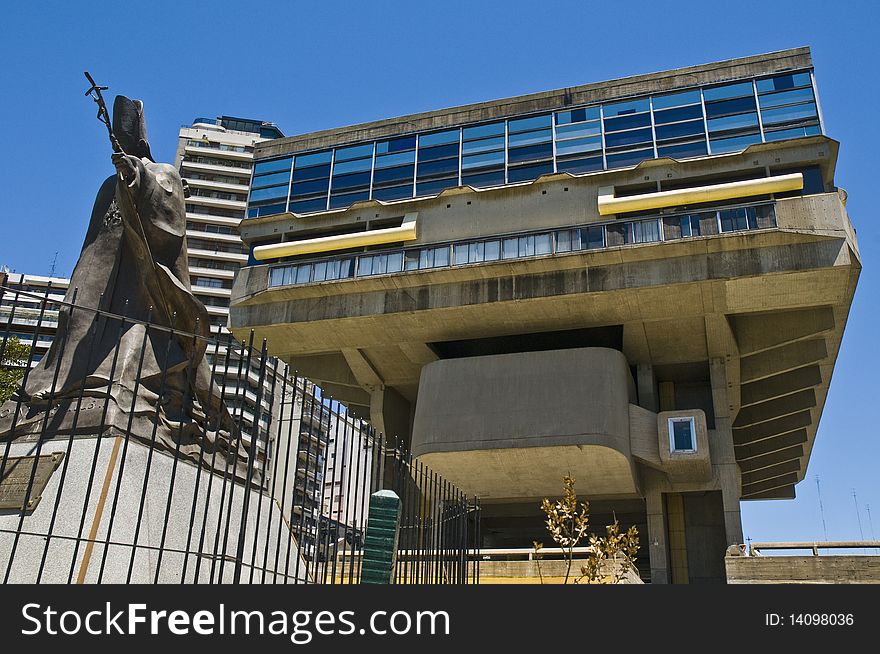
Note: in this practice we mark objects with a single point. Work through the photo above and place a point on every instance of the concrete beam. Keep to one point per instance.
(321, 368)
(769, 445)
(781, 384)
(362, 369)
(770, 484)
(762, 331)
(418, 352)
(348, 395)
(782, 359)
(767, 460)
(772, 428)
(783, 493)
(770, 472)
(776, 408)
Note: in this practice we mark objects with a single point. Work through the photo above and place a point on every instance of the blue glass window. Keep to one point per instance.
(580, 165)
(577, 115)
(271, 179)
(253, 212)
(737, 90)
(393, 192)
(306, 206)
(479, 179)
(727, 107)
(481, 160)
(388, 160)
(796, 132)
(481, 131)
(628, 158)
(438, 138)
(315, 172)
(304, 160)
(354, 152)
(527, 173)
(578, 130)
(620, 139)
(677, 114)
(683, 150)
(431, 187)
(530, 153)
(623, 108)
(572, 146)
(627, 122)
(679, 130)
(390, 175)
(310, 187)
(733, 144)
(439, 167)
(529, 138)
(351, 181)
(352, 166)
(789, 114)
(528, 124)
(786, 97)
(396, 145)
(272, 166)
(471, 147)
(337, 201)
(676, 99)
(438, 152)
(733, 122)
(783, 82)
(271, 192)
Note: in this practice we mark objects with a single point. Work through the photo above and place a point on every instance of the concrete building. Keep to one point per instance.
(214, 156)
(643, 282)
(26, 292)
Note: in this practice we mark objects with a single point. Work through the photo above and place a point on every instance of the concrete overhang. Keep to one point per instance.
(513, 425)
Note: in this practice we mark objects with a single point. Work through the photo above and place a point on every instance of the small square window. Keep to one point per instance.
(682, 435)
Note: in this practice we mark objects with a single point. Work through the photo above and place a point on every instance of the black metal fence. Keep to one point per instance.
(283, 499)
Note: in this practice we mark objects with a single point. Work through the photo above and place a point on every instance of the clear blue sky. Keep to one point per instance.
(309, 66)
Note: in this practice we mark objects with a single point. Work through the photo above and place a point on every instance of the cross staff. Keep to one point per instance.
(104, 116)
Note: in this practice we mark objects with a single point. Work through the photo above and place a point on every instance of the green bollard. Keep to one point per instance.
(380, 543)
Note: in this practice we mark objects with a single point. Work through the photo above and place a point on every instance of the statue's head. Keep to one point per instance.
(130, 128)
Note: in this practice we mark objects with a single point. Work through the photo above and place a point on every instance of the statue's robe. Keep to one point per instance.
(133, 264)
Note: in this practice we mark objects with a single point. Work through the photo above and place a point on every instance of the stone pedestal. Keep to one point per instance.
(103, 481)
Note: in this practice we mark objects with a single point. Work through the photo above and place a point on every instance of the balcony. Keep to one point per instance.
(528, 245)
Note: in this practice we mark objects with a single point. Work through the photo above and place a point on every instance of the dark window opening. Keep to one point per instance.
(610, 337)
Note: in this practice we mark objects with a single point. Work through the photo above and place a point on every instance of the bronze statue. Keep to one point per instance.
(132, 264)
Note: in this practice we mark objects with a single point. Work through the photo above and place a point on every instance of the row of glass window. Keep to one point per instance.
(692, 123)
(645, 230)
(199, 143)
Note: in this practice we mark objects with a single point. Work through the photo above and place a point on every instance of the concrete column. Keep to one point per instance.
(723, 456)
(390, 414)
(658, 546)
(647, 386)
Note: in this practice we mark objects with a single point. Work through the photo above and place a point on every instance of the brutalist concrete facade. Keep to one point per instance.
(676, 365)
